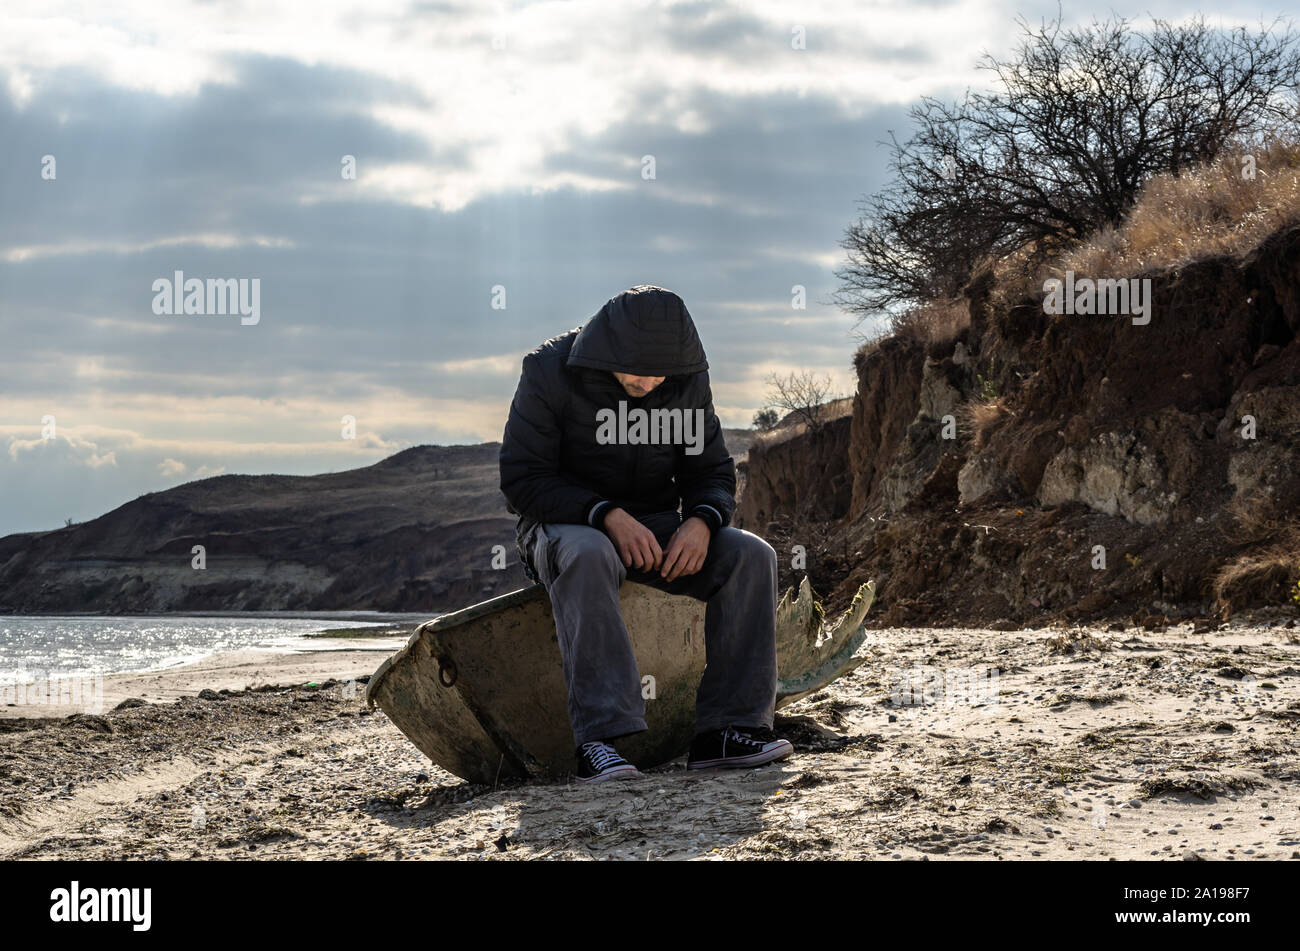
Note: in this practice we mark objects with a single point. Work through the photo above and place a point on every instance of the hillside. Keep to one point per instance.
(414, 532)
(1007, 466)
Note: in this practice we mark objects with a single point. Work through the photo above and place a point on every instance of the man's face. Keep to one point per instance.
(638, 385)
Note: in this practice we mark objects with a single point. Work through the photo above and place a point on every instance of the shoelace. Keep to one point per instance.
(731, 733)
(601, 755)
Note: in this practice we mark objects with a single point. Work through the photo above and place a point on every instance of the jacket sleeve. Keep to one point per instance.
(709, 478)
(530, 454)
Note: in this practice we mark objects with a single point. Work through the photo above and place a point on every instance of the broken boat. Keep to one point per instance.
(481, 691)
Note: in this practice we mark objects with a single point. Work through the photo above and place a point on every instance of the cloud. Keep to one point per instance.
(62, 450)
(373, 441)
(194, 137)
(16, 254)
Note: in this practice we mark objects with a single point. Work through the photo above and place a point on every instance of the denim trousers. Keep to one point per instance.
(582, 573)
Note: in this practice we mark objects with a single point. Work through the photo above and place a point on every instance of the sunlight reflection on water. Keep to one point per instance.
(42, 646)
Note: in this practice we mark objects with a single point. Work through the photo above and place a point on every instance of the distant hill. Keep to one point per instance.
(413, 532)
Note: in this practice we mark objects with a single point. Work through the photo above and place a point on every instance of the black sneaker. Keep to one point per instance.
(598, 761)
(734, 747)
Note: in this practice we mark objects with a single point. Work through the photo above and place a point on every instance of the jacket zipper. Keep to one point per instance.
(631, 454)
(631, 469)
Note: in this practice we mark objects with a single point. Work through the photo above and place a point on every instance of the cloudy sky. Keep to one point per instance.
(499, 155)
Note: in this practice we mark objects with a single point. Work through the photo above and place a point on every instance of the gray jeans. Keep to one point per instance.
(582, 572)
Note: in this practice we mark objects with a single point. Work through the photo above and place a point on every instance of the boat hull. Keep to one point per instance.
(481, 691)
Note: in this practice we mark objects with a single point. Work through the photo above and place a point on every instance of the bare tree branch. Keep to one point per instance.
(802, 394)
(1076, 122)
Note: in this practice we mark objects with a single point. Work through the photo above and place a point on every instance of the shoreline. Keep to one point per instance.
(1091, 743)
(375, 616)
(233, 671)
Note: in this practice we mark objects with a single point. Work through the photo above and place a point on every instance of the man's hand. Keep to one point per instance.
(686, 549)
(635, 543)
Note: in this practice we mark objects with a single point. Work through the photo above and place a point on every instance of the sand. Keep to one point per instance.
(1091, 744)
(233, 670)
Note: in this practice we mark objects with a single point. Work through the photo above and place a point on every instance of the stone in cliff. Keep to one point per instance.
(1115, 473)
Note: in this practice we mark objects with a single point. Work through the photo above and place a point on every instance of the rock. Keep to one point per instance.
(130, 702)
(1116, 473)
(938, 396)
(1232, 673)
(978, 477)
(1258, 467)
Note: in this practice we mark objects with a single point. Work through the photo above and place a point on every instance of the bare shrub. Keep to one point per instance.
(802, 394)
(1075, 123)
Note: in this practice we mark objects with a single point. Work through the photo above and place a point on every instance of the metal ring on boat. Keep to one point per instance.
(444, 665)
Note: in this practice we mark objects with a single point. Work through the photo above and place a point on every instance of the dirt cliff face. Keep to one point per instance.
(1058, 466)
(799, 475)
(889, 387)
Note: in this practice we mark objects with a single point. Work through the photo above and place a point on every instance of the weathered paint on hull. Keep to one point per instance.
(481, 691)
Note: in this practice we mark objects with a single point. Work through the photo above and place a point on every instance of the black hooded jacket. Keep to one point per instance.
(554, 468)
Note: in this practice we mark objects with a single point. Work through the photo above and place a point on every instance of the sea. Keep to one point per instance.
(34, 648)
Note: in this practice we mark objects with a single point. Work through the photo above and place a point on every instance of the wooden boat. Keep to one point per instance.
(481, 691)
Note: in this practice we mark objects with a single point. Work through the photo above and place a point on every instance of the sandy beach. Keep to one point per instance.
(233, 671)
(1092, 743)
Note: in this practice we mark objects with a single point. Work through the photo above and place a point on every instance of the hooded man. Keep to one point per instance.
(611, 431)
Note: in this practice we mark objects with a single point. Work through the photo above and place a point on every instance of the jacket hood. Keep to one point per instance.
(644, 331)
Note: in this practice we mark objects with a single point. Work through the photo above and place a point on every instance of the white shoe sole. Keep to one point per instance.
(781, 750)
(618, 772)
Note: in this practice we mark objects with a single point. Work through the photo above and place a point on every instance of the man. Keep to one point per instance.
(597, 504)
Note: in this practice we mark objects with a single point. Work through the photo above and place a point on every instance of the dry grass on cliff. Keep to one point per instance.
(981, 417)
(1270, 571)
(1264, 576)
(1257, 520)
(1205, 212)
(932, 323)
(1210, 211)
